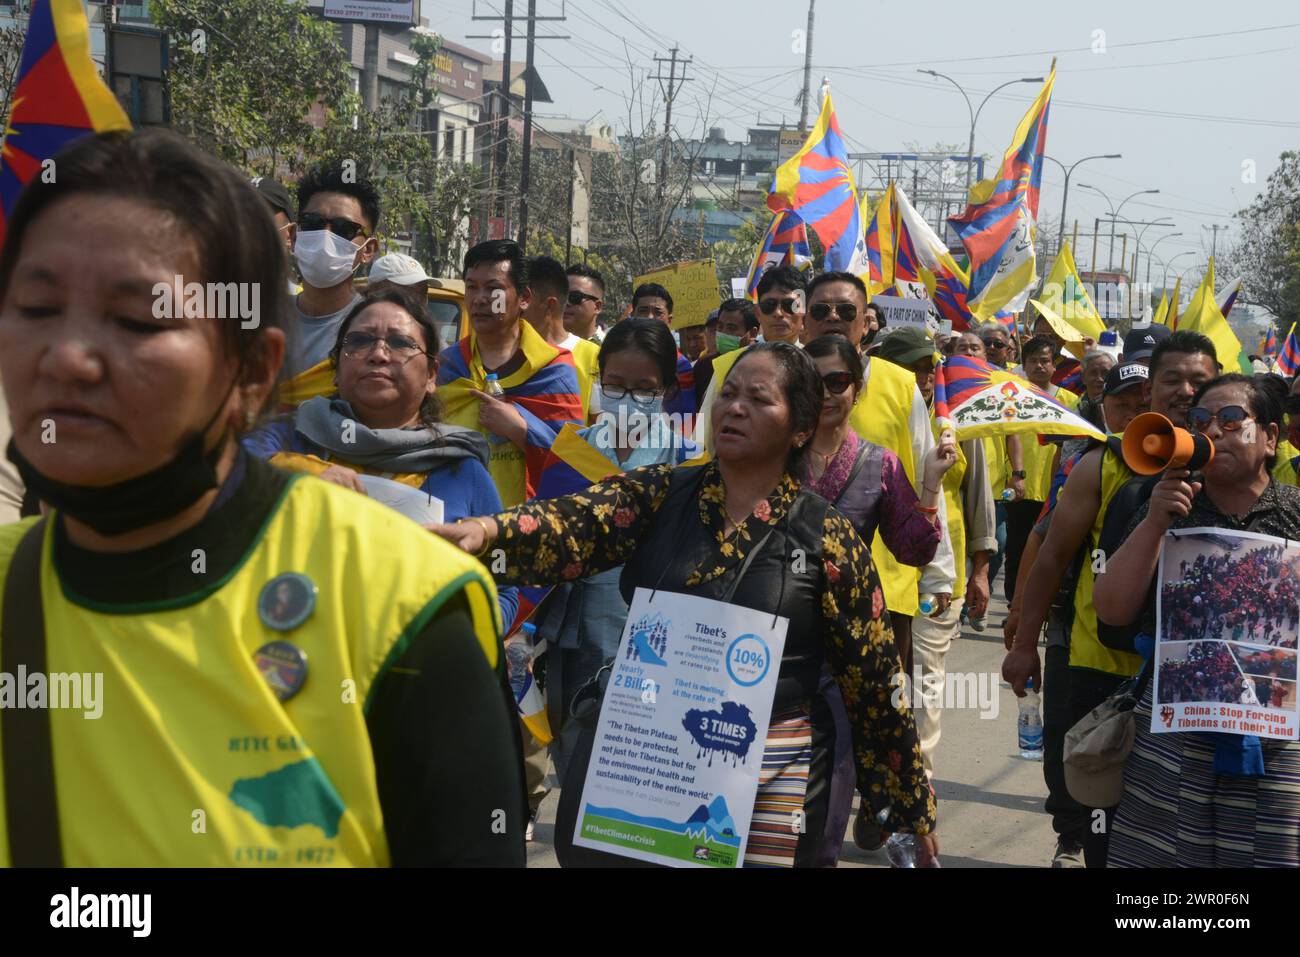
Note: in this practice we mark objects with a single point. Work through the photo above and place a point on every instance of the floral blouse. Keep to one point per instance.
(566, 538)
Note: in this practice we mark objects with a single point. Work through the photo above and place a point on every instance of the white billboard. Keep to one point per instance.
(395, 12)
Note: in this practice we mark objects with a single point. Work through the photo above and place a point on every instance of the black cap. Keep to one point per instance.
(1140, 343)
(1125, 375)
(273, 192)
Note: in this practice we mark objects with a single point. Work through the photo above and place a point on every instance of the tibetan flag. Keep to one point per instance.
(818, 185)
(881, 243)
(999, 226)
(1065, 293)
(1007, 318)
(980, 399)
(544, 390)
(785, 243)
(923, 267)
(1268, 345)
(57, 97)
(1226, 298)
(1288, 361)
(1203, 316)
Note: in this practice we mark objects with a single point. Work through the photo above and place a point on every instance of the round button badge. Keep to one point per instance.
(286, 601)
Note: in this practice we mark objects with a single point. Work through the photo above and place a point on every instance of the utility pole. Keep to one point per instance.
(673, 79)
(370, 68)
(1214, 239)
(506, 76)
(807, 70)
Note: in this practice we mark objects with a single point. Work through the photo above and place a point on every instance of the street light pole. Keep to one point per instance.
(1172, 260)
(975, 113)
(1114, 214)
(1065, 193)
(1152, 251)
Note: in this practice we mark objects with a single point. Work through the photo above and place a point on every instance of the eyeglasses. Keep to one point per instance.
(845, 310)
(837, 382)
(577, 298)
(995, 344)
(346, 228)
(639, 396)
(1230, 418)
(769, 306)
(361, 343)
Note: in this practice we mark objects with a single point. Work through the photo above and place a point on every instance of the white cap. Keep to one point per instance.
(398, 268)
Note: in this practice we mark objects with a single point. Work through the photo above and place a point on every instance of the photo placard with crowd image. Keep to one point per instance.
(1227, 621)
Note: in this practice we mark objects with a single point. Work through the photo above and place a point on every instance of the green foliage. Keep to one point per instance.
(1267, 256)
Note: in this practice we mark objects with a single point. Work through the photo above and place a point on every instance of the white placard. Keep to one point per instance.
(419, 506)
(1227, 618)
(674, 769)
(738, 287)
(903, 312)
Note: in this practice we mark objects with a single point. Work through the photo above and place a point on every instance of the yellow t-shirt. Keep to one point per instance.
(1038, 458)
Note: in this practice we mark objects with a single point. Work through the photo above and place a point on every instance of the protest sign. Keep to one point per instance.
(694, 288)
(904, 312)
(1227, 619)
(418, 506)
(679, 746)
(738, 287)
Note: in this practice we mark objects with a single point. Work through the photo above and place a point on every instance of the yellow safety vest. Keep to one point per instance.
(999, 464)
(194, 762)
(1086, 650)
(1038, 458)
(881, 416)
(586, 361)
(1284, 468)
(952, 497)
(318, 380)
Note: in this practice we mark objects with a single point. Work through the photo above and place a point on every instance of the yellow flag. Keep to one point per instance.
(1203, 316)
(1162, 311)
(1171, 317)
(1065, 294)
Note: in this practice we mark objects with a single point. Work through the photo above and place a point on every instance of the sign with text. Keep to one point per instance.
(903, 312)
(394, 12)
(693, 286)
(1227, 618)
(674, 769)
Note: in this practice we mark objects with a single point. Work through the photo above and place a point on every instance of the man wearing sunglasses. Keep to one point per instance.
(892, 412)
(585, 300)
(336, 234)
(1091, 513)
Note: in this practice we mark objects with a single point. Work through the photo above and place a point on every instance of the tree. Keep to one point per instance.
(12, 36)
(1267, 254)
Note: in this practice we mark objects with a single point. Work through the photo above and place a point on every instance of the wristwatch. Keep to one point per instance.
(1018, 474)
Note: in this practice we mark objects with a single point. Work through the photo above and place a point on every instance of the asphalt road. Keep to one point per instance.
(990, 799)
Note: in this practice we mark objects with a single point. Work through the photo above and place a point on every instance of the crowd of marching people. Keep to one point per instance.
(1253, 598)
(223, 495)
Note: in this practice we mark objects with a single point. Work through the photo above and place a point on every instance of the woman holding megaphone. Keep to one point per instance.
(1241, 418)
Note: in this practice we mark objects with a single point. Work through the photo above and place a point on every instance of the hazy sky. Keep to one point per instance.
(1185, 113)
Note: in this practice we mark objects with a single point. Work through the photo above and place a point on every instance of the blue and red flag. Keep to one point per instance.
(818, 185)
(1268, 346)
(58, 97)
(882, 227)
(785, 243)
(1288, 361)
(924, 267)
(998, 226)
(980, 399)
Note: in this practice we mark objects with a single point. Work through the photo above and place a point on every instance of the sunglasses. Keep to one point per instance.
(346, 228)
(577, 298)
(837, 382)
(994, 344)
(768, 306)
(361, 343)
(845, 310)
(1230, 418)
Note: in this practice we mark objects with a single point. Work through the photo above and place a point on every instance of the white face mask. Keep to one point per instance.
(324, 259)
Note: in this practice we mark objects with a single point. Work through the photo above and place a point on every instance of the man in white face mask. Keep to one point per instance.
(336, 234)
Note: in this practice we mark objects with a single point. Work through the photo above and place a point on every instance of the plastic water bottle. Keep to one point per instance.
(928, 603)
(1007, 495)
(1029, 725)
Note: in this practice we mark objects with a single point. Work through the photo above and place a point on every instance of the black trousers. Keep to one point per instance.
(1070, 819)
(1088, 689)
(1020, 522)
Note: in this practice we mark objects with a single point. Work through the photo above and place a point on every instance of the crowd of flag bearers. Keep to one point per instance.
(572, 459)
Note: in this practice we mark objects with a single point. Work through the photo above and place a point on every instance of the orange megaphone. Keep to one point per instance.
(1152, 444)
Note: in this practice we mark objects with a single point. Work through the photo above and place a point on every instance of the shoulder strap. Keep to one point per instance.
(31, 802)
(864, 449)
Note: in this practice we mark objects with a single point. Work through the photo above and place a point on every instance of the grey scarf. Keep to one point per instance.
(328, 422)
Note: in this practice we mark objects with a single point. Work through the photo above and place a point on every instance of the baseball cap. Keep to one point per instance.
(397, 268)
(273, 192)
(1124, 376)
(905, 345)
(1140, 343)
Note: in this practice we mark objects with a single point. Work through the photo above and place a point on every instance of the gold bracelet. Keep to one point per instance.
(487, 534)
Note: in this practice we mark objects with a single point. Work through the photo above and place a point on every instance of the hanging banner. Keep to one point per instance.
(674, 769)
(1227, 619)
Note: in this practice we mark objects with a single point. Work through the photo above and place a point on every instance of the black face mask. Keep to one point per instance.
(137, 502)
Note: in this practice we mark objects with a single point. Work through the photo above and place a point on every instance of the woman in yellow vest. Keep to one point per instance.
(276, 671)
